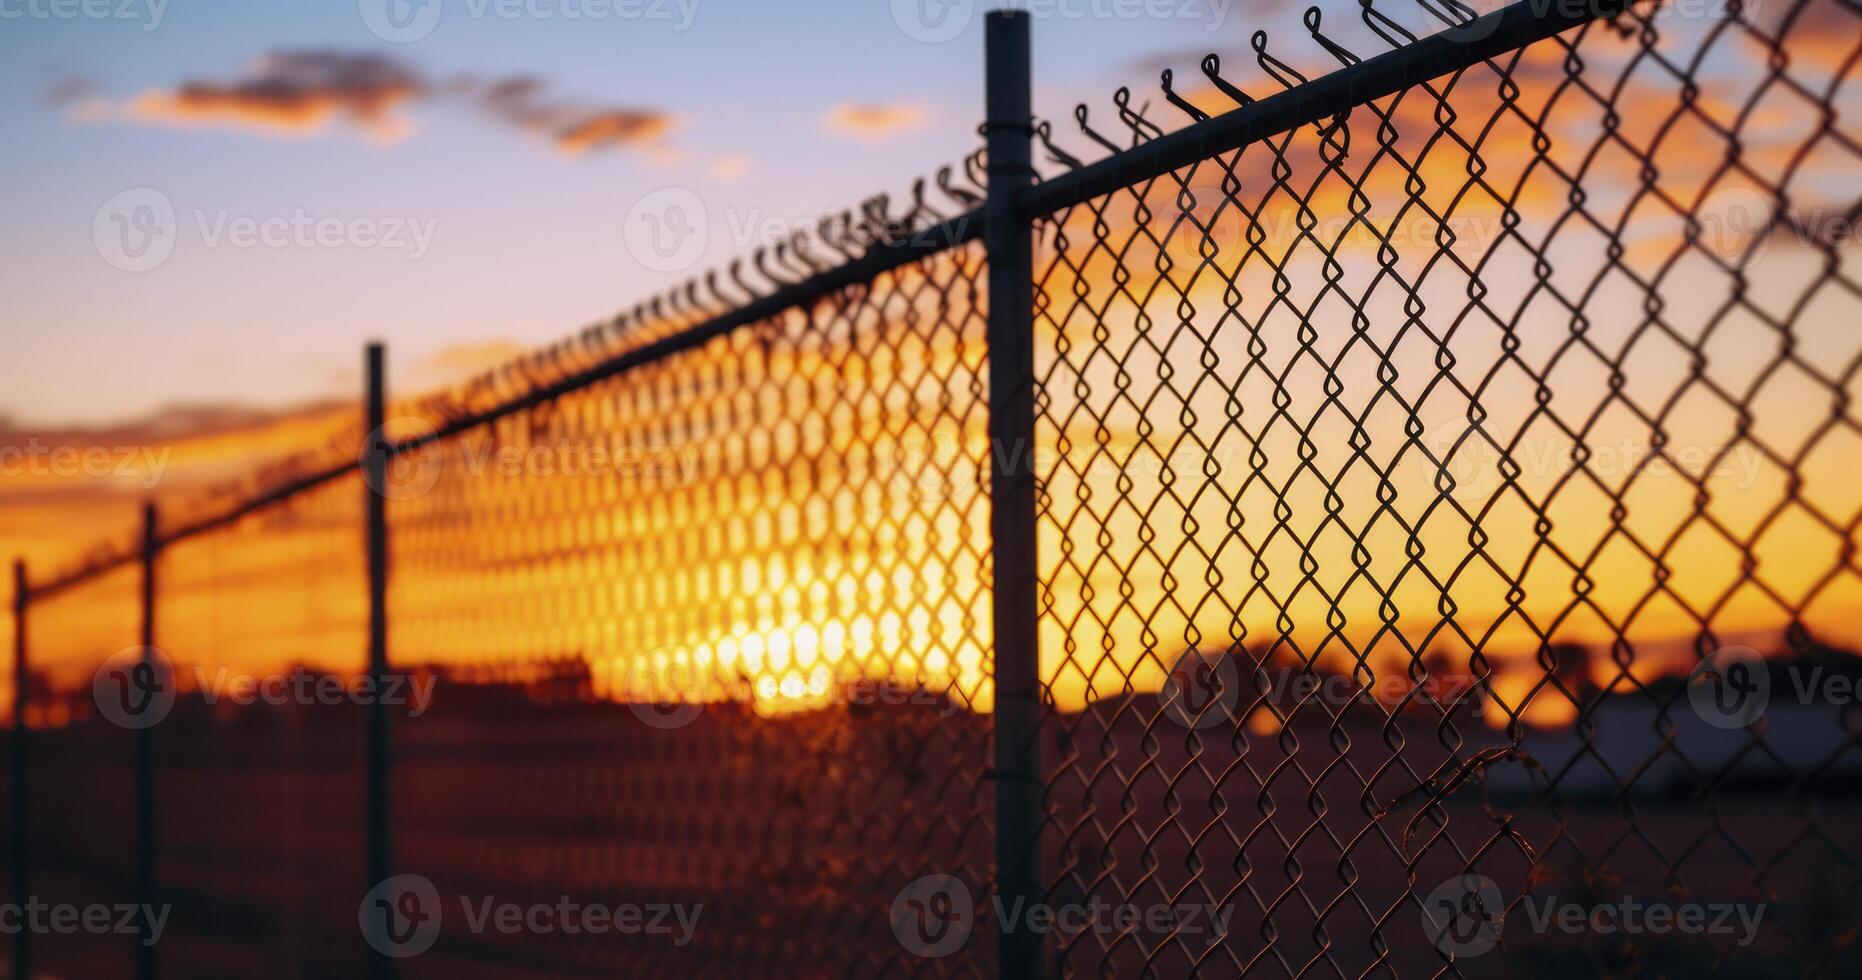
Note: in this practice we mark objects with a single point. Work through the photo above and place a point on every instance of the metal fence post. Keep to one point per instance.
(375, 472)
(22, 846)
(145, 756)
(1009, 237)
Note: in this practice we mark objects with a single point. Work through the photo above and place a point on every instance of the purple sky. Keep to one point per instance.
(462, 193)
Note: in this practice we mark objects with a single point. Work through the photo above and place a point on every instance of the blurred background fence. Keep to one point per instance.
(1349, 495)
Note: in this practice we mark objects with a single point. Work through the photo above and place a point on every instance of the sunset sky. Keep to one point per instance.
(513, 153)
(524, 140)
(1452, 457)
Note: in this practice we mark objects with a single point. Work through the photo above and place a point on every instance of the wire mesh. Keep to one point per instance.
(82, 778)
(728, 610)
(1396, 470)
(258, 764)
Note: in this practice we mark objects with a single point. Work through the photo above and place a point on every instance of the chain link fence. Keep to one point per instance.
(1412, 533)
(1415, 455)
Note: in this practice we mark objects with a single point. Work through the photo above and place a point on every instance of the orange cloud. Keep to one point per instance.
(875, 122)
(297, 93)
(290, 93)
(572, 127)
(613, 127)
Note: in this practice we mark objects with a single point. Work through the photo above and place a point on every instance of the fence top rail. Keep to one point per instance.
(1301, 102)
(882, 258)
(90, 570)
